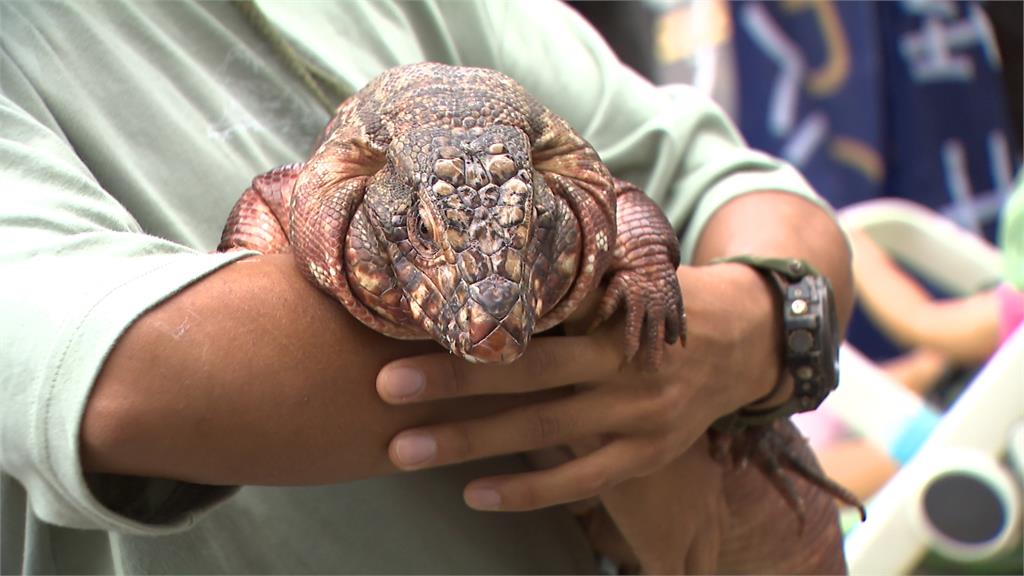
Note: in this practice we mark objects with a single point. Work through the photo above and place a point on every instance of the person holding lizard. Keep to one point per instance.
(149, 377)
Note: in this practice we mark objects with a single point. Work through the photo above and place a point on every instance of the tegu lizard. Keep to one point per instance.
(447, 203)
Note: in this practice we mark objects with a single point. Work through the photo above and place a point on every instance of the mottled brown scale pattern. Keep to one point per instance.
(639, 253)
(259, 220)
(447, 203)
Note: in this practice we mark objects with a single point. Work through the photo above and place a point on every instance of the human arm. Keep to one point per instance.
(107, 217)
(245, 377)
(731, 360)
(964, 329)
(78, 271)
(759, 535)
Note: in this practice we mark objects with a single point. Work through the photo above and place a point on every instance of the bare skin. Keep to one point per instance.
(272, 374)
(964, 330)
(731, 359)
(862, 465)
(743, 349)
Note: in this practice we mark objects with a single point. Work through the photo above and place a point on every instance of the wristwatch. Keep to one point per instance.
(810, 339)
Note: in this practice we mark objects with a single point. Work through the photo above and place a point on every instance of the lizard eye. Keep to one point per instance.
(421, 232)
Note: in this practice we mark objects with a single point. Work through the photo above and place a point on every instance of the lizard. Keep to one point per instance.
(447, 203)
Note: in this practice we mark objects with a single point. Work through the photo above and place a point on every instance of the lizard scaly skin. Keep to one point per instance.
(447, 203)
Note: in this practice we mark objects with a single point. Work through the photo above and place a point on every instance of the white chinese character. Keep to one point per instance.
(931, 51)
(971, 210)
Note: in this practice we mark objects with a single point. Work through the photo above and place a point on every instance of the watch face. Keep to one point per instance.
(812, 340)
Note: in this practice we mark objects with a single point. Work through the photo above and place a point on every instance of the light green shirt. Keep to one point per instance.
(127, 131)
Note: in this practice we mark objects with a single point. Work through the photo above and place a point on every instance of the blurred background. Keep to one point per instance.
(906, 116)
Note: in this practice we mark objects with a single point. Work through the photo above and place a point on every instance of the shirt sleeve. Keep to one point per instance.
(673, 141)
(76, 271)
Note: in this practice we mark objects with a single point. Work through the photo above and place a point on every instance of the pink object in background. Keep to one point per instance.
(1011, 308)
(821, 427)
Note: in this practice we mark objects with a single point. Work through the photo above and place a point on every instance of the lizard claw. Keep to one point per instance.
(654, 311)
(770, 448)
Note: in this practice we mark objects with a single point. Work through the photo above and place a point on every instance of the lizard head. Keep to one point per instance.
(455, 209)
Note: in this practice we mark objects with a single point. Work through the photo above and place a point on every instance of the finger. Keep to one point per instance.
(672, 324)
(579, 479)
(532, 427)
(545, 365)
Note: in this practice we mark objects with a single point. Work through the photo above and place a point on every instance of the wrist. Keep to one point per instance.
(809, 339)
(733, 316)
(769, 382)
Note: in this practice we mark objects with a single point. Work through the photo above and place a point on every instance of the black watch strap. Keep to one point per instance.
(810, 338)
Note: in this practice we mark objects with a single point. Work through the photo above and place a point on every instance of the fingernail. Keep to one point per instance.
(415, 448)
(483, 499)
(401, 383)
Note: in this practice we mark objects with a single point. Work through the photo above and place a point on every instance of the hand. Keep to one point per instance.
(764, 536)
(695, 517)
(669, 522)
(639, 421)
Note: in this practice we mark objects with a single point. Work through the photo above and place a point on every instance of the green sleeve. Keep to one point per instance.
(76, 270)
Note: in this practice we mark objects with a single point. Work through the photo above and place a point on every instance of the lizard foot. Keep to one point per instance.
(771, 448)
(654, 309)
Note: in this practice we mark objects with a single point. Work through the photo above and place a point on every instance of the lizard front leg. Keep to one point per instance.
(264, 220)
(643, 277)
(326, 203)
(259, 220)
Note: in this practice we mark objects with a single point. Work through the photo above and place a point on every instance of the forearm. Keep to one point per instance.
(962, 329)
(734, 332)
(771, 224)
(250, 376)
(763, 535)
(778, 224)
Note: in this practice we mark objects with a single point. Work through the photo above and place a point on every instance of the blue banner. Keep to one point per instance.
(873, 99)
(876, 99)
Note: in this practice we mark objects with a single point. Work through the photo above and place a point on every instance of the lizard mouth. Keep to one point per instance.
(499, 346)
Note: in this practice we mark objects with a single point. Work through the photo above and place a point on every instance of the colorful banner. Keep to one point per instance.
(875, 99)
(880, 99)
